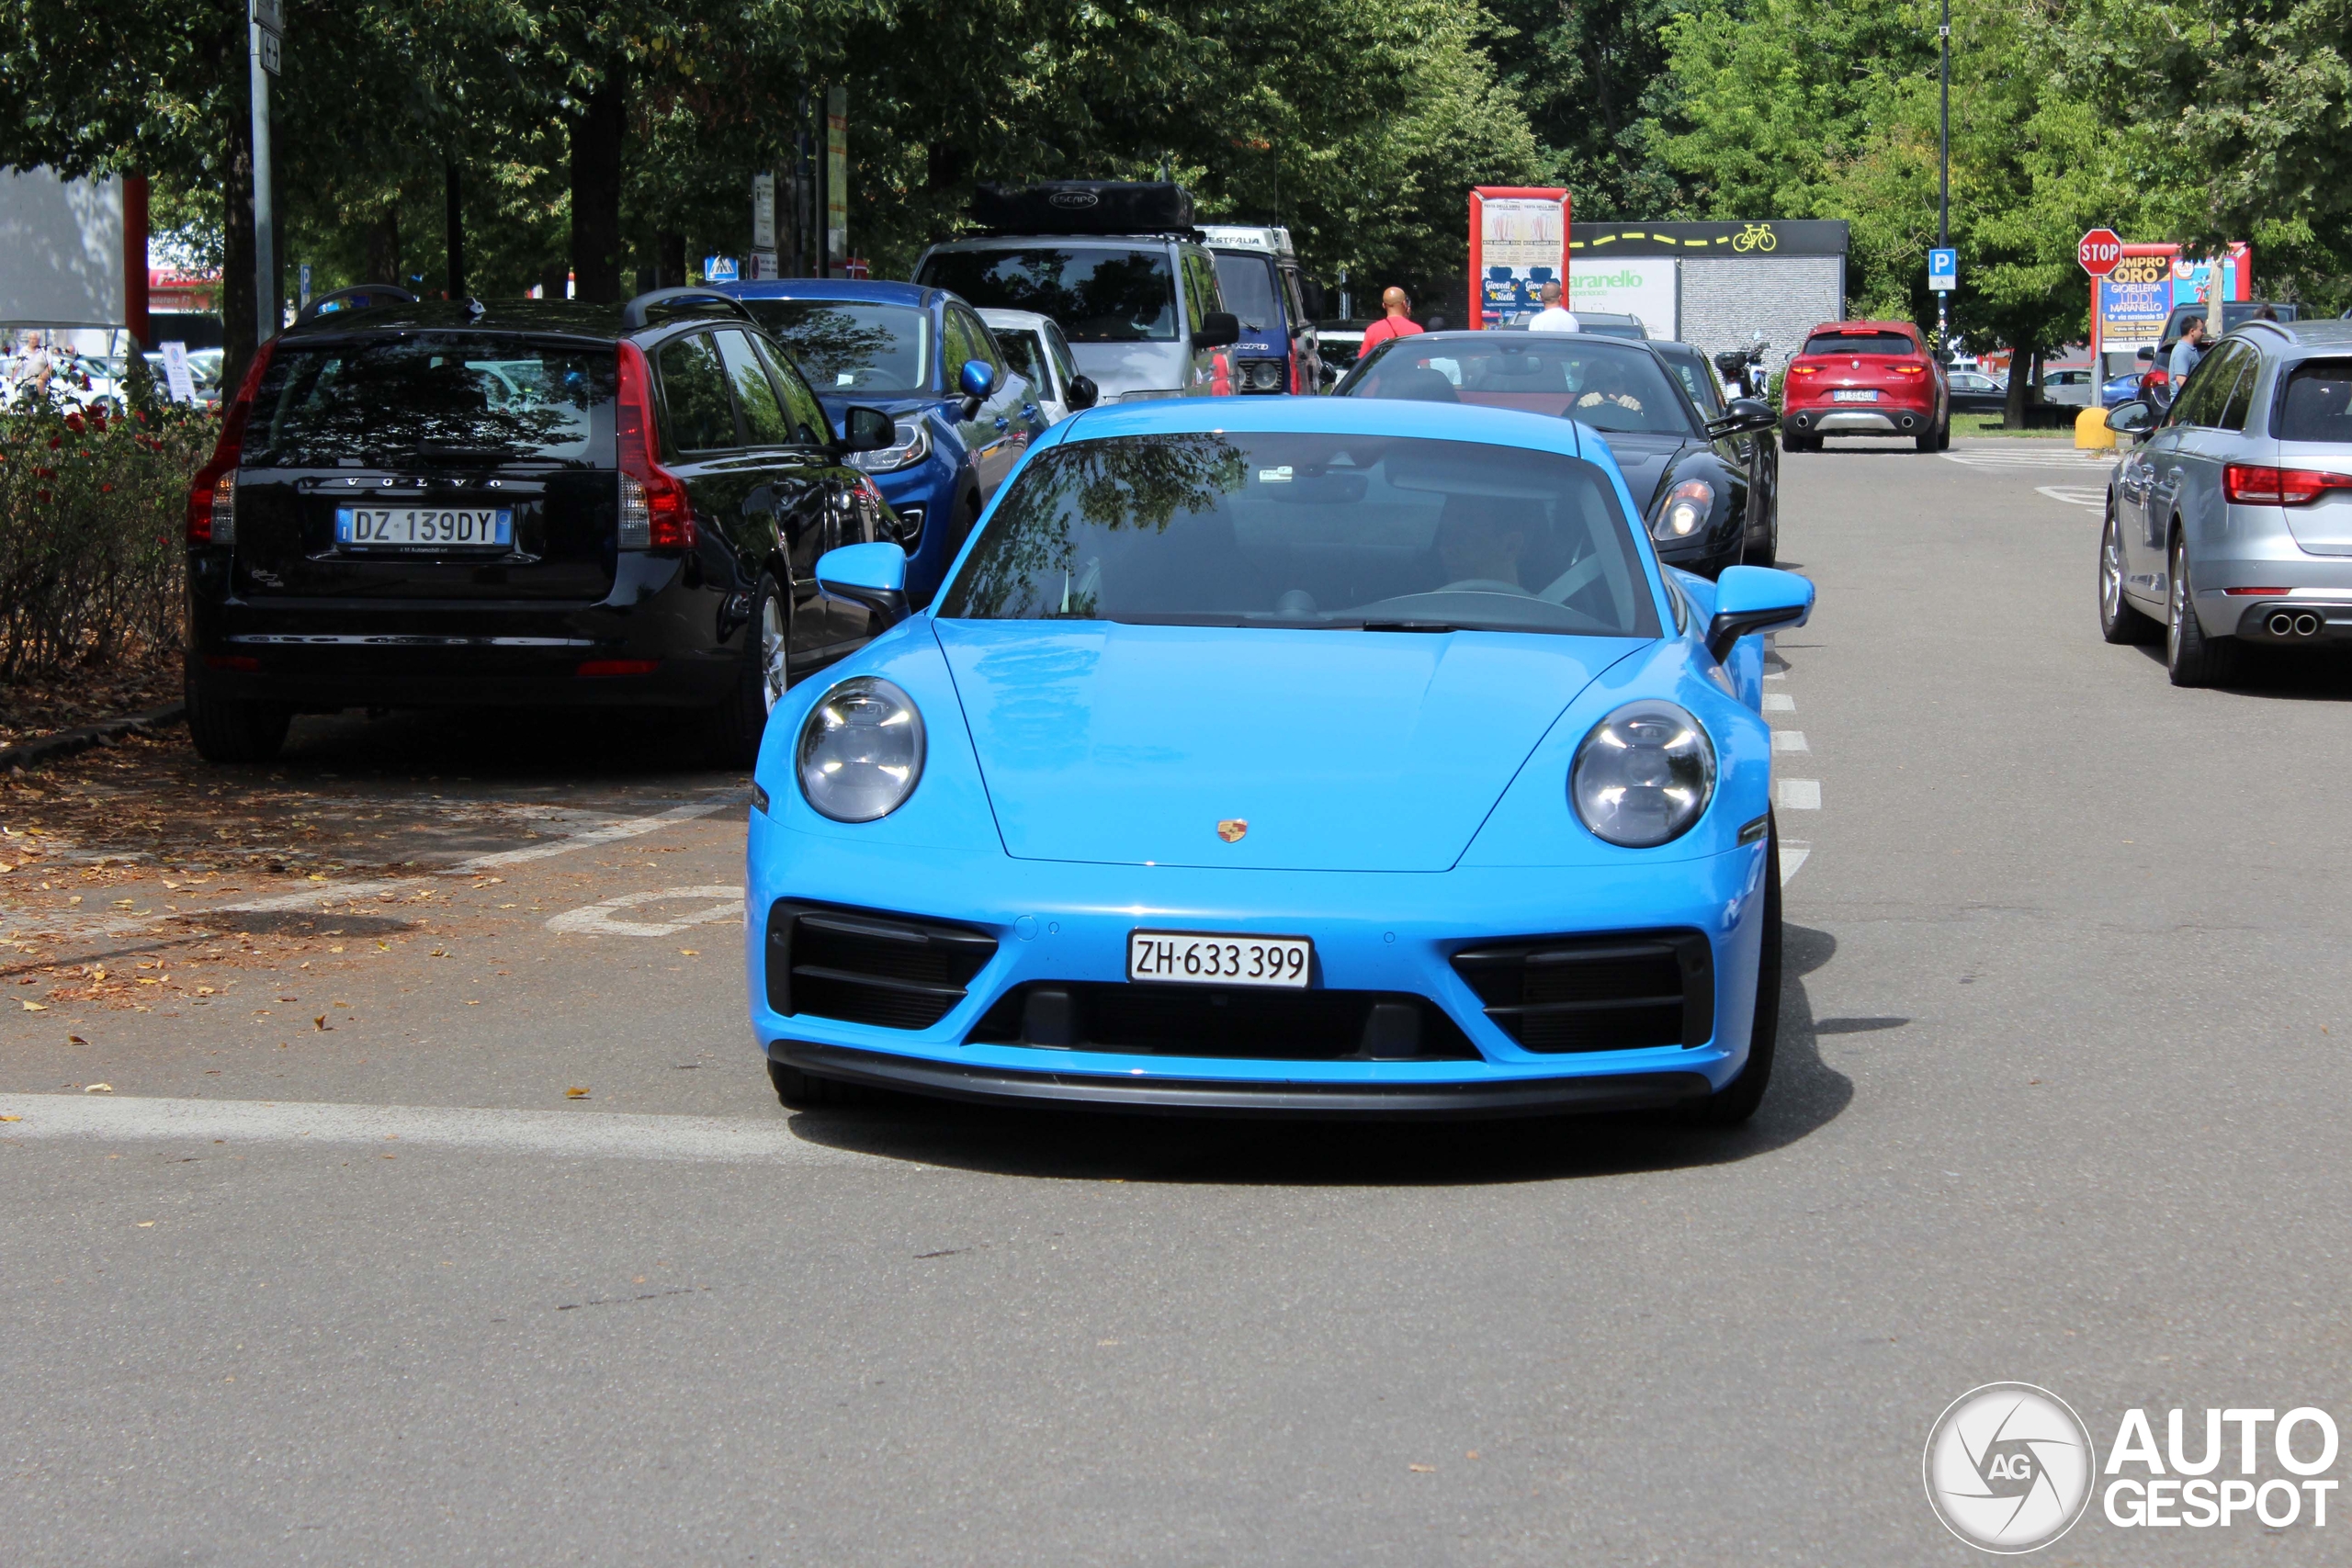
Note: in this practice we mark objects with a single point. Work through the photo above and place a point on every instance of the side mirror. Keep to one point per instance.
(2131, 418)
(1745, 416)
(2147, 354)
(976, 379)
(873, 575)
(1218, 329)
(1754, 599)
(868, 430)
(1084, 393)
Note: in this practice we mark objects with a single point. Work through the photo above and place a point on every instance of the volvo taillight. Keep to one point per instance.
(212, 496)
(655, 512)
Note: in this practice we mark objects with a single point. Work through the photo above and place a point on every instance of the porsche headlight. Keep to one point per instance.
(1643, 775)
(1685, 511)
(860, 751)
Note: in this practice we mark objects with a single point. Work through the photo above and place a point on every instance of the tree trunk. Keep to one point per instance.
(239, 318)
(454, 228)
(384, 246)
(596, 192)
(2013, 400)
(669, 259)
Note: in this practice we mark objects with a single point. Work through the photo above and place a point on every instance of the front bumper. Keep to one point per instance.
(1069, 922)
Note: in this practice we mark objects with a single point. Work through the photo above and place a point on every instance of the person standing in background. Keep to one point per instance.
(2187, 351)
(1554, 317)
(1395, 322)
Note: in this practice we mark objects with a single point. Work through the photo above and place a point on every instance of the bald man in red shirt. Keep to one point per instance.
(1396, 323)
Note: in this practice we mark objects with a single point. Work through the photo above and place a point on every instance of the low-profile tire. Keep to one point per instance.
(739, 720)
(807, 1091)
(2119, 621)
(1768, 551)
(2192, 658)
(229, 729)
(1737, 1101)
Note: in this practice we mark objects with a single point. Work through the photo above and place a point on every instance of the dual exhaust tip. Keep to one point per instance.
(2285, 624)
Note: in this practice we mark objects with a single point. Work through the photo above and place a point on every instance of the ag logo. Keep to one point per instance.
(2009, 1467)
(1074, 200)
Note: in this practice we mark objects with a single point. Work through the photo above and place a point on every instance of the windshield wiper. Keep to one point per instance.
(1408, 626)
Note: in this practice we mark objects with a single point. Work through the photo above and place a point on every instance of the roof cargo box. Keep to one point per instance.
(1085, 206)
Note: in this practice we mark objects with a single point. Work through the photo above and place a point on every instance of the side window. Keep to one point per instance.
(1020, 350)
(960, 344)
(2235, 407)
(1200, 293)
(693, 384)
(1294, 305)
(983, 343)
(810, 424)
(1058, 347)
(763, 419)
(2199, 397)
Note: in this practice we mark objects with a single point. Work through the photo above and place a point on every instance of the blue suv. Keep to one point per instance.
(964, 416)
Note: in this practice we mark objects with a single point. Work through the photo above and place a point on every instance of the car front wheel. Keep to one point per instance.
(1737, 1101)
(226, 729)
(2118, 621)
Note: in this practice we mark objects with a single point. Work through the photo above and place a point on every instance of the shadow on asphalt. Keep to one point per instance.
(2282, 674)
(1806, 1094)
(554, 747)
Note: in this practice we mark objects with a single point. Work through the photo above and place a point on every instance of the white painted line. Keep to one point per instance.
(1800, 795)
(2092, 496)
(2061, 457)
(1789, 741)
(633, 828)
(605, 919)
(565, 1135)
(1793, 853)
(1780, 702)
(612, 832)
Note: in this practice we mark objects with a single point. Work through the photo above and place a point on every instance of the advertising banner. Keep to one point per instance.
(1519, 242)
(1629, 285)
(2133, 301)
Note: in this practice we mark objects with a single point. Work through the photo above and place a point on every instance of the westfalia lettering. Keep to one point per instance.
(2302, 1442)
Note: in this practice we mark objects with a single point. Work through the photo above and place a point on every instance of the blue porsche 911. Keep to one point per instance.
(1294, 756)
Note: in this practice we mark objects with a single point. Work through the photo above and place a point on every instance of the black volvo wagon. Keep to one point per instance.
(527, 504)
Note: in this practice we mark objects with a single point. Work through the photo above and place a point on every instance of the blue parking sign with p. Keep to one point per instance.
(1943, 269)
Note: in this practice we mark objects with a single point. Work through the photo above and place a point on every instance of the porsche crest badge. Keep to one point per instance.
(1231, 830)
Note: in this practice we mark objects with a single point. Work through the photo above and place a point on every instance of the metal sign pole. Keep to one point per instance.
(267, 19)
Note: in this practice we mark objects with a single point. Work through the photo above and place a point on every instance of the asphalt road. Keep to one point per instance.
(337, 1270)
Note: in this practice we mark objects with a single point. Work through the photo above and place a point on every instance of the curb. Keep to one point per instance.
(66, 742)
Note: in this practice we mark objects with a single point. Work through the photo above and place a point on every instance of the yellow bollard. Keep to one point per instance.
(2091, 431)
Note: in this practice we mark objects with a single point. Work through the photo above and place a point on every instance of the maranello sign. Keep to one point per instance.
(2010, 1468)
(1628, 285)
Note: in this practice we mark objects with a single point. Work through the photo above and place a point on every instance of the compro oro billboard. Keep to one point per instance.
(1519, 242)
(1629, 285)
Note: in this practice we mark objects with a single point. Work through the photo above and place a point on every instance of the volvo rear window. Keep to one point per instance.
(1098, 293)
(1859, 343)
(2317, 404)
(1309, 531)
(429, 398)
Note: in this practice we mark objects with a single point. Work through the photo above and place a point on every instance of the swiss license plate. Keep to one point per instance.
(421, 527)
(1853, 395)
(1206, 958)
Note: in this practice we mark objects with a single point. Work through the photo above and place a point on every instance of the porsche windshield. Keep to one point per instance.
(1310, 530)
(1609, 386)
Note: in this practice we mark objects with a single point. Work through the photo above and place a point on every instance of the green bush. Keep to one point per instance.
(92, 511)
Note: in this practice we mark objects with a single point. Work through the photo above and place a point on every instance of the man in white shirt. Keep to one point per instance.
(1553, 317)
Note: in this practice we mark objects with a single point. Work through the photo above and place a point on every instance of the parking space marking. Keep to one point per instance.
(605, 919)
(1793, 853)
(1780, 702)
(575, 1135)
(1789, 741)
(1800, 795)
(2092, 496)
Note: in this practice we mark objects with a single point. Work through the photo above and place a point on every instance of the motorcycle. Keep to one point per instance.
(1743, 368)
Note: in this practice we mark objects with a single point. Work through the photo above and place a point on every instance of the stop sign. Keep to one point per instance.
(2099, 251)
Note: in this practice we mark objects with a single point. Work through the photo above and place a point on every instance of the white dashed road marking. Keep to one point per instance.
(1793, 855)
(1789, 741)
(578, 1134)
(1780, 702)
(2092, 496)
(607, 919)
(1800, 795)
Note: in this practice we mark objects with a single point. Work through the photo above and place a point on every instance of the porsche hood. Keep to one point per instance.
(1341, 750)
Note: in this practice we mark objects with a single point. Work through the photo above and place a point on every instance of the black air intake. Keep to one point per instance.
(862, 967)
(1246, 1023)
(1597, 993)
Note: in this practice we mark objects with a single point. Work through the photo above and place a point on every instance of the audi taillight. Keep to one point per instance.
(2255, 484)
(212, 495)
(656, 513)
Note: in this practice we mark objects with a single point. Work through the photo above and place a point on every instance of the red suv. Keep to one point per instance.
(1865, 379)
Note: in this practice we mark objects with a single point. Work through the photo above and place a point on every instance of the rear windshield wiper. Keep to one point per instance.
(455, 452)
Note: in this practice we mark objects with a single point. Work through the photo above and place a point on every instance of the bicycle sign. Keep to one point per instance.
(2099, 252)
(1756, 237)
